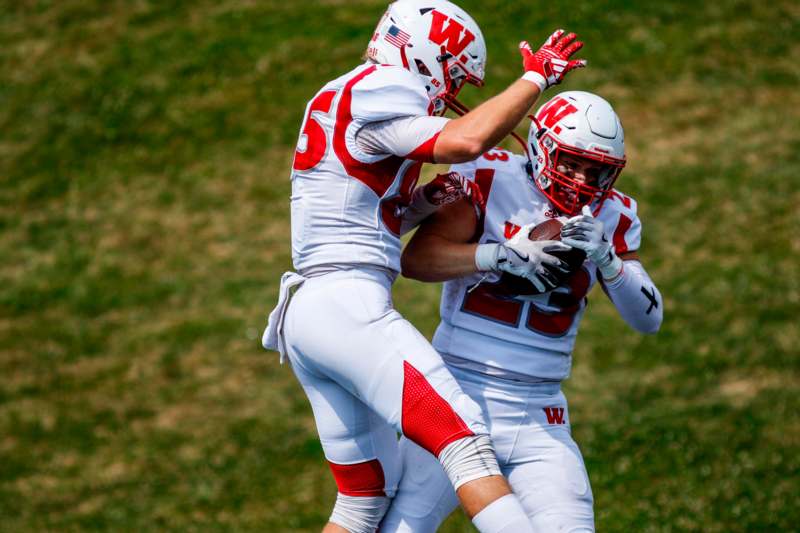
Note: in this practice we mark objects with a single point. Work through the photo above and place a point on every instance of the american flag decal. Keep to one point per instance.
(397, 37)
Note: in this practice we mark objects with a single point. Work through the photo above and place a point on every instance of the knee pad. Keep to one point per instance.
(469, 458)
(359, 514)
(425, 497)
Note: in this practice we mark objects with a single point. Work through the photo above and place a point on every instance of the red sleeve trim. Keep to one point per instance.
(424, 152)
(484, 178)
(620, 246)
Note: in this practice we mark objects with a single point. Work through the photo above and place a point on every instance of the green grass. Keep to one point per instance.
(144, 154)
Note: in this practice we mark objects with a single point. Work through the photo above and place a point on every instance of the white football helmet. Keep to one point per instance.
(435, 39)
(576, 128)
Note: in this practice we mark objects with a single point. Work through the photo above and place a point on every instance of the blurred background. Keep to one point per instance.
(145, 148)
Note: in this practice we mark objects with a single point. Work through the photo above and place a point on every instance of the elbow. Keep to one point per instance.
(471, 149)
(417, 269)
(650, 327)
(461, 149)
(409, 267)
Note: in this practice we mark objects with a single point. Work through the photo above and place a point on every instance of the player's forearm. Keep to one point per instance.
(636, 298)
(433, 258)
(466, 138)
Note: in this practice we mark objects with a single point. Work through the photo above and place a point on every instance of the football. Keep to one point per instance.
(549, 230)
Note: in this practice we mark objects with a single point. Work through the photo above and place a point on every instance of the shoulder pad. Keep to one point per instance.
(622, 225)
(388, 92)
(499, 158)
(619, 202)
(501, 161)
(464, 168)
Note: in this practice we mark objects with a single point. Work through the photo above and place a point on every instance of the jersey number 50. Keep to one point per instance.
(316, 144)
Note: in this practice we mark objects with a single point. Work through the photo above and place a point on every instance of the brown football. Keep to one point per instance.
(549, 230)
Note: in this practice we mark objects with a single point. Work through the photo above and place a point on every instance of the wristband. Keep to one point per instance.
(486, 257)
(612, 269)
(535, 78)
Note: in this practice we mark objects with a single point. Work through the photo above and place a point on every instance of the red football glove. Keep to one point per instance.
(448, 188)
(549, 65)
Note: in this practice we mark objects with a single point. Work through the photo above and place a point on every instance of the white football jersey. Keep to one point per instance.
(347, 205)
(531, 336)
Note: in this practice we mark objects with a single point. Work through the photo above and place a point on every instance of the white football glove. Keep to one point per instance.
(586, 232)
(525, 258)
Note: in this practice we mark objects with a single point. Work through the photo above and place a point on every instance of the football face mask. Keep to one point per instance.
(456, 76)
(577, 177)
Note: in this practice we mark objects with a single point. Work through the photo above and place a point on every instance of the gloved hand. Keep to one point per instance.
(526, 258)
(442, 190)
(586, 232)
(549, 65)
(448, 188)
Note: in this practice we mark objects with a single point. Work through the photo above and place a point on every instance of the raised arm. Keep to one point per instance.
(465, 138)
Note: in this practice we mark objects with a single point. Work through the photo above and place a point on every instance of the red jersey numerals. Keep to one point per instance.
(558, 323)
(316, 141)
(496, 155)
(487, 301)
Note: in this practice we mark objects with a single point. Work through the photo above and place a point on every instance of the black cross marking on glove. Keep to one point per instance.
(651, 295)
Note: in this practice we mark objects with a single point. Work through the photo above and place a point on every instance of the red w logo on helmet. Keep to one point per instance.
(450, 35)
(554, 112)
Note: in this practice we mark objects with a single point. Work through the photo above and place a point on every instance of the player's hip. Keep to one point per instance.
(522, 358)
(338, 302)
(376, 253)
(525, 419)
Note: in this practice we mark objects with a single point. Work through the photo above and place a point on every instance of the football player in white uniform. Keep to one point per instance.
(509, 344)
(367, 372)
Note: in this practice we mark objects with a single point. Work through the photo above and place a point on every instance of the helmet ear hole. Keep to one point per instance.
(422, 68)
(544, 181)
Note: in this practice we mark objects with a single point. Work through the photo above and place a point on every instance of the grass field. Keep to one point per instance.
(144, 156)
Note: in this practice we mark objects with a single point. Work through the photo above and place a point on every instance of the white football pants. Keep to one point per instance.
(529, 425)
(368, 374)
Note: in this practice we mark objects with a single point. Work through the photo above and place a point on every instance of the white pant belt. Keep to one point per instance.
(492, 371)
